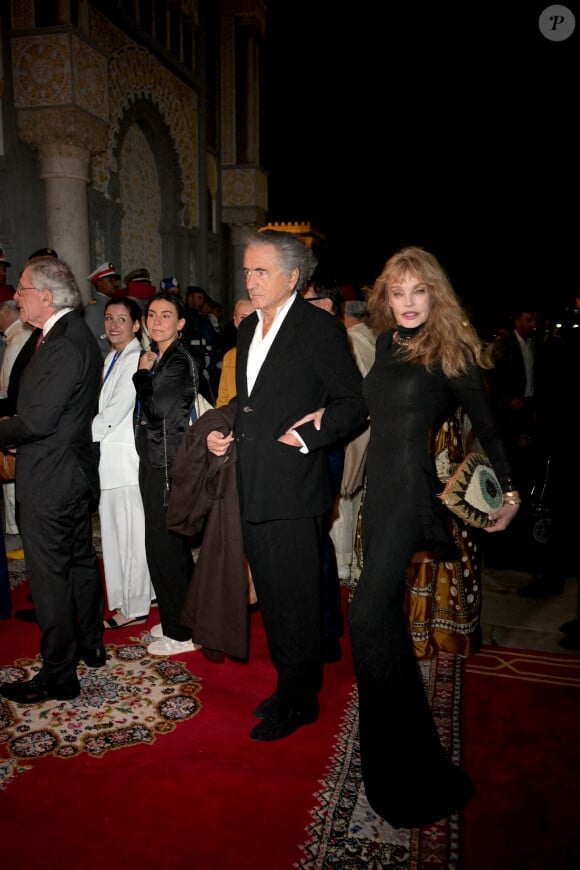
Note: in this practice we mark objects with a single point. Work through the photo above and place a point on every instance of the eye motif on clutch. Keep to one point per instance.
(473, 491)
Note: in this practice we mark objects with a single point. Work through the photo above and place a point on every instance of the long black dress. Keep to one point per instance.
(408, 779)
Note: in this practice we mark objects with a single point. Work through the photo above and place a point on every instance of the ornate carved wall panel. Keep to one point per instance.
(134, 75)
(140, 195)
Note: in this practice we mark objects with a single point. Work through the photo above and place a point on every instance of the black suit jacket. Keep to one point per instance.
(309, 366)
(508, 381)
(57, 400)
(509, 375)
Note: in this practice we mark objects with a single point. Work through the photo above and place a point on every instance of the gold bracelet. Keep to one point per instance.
(513, 492)
(514, 498)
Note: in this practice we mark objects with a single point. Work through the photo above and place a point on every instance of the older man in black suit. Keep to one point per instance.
(292, 361)
(57, 480)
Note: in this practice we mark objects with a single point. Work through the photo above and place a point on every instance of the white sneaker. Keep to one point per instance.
(157, 630)
(166, 646)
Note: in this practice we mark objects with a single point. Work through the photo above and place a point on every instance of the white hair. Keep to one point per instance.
(356, 308)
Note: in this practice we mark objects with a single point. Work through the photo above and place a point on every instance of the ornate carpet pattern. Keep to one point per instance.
(133, 699)
(346, 833)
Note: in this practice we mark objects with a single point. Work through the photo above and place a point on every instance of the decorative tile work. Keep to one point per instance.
(42, 70)
(134, 74)
(66, 125)
(59, 73)
(245, 186)
(90, 75)
(139, 187)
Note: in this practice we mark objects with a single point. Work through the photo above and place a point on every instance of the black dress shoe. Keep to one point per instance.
(94, 658)
(331, 651)
(284, 721)
(36, 691)
(268, 707)
(28, 615)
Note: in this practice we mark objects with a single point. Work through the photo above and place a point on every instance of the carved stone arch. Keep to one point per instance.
(136, 79)
(152, 124)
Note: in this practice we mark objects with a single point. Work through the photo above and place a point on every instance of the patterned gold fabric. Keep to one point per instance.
(443, 599)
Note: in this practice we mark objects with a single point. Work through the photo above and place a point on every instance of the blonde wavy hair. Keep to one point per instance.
(448, 337)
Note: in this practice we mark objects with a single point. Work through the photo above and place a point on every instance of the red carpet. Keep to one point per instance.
(106, 780)
(188, 786)
(203, 794)
(521, 734)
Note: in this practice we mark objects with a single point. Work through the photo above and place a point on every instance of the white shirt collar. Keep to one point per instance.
(53, 318)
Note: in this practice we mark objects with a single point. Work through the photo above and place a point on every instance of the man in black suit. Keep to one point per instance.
(57, 480)
(292, 361)
(557, 559)
(512, 393)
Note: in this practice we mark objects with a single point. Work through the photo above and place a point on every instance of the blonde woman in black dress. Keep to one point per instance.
(428, 361)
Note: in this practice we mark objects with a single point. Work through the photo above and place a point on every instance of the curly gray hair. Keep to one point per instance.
(293, 253)
(50, 273)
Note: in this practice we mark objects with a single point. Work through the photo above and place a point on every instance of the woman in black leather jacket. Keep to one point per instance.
(166, 385)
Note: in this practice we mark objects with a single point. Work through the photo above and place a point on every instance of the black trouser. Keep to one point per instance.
(284, 557)
(5, 595)
(168, 553)
(65, 582)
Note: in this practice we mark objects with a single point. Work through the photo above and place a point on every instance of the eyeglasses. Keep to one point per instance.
(20, 289)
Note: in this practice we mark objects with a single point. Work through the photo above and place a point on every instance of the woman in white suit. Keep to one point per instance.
(129, 589)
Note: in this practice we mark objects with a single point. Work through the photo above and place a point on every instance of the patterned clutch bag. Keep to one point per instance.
(473, 491)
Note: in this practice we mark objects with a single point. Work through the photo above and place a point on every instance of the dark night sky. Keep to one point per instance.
(453, 129)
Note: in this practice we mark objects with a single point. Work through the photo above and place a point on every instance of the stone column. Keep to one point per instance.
(244, 201)
(60, 94)
(65, 172)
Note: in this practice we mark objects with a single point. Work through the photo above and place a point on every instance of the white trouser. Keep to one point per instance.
(10, 527)
(127, 579)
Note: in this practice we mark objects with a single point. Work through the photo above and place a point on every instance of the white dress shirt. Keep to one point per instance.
(261, 343)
